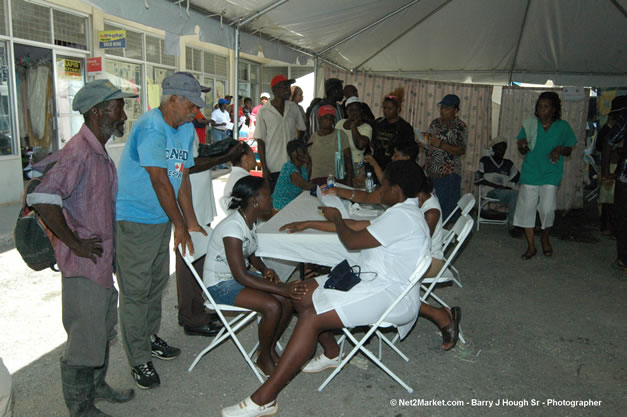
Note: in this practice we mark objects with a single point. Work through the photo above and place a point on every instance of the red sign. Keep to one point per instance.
(94, 64)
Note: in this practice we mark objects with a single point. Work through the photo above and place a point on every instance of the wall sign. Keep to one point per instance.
(94, 65)
(110, 39)
(72, 68)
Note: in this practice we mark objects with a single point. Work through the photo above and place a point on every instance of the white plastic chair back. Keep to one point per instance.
(200, 242)
(465, 204)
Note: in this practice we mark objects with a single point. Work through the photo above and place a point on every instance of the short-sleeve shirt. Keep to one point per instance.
(220, 116)
(152, 143)
(437, 239)
(384, 137)
(438, 162)
(404, 237)
(364, 129)
(276, 130)
(285, 191)
(537, 168)
(83, 182)
(323, 151)
(216, 268)
(497, 173)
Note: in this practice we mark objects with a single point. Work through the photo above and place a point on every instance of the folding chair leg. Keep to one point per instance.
(369, 354)
(391, 345)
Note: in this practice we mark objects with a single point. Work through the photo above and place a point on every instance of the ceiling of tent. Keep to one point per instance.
(572, 42)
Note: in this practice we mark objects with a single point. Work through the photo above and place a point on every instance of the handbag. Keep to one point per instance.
(342, 277)
(340, 171)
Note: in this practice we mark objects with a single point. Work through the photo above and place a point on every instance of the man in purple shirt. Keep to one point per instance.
(76, 200)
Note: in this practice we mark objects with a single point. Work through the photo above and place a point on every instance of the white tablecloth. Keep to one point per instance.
(312, 246)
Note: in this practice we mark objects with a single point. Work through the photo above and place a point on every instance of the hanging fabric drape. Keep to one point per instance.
(420, 107)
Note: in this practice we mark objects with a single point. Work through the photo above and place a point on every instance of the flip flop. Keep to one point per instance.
(548, 253)
(450, 333)
(528, 255)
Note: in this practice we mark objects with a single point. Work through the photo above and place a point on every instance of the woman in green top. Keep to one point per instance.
(544, 140)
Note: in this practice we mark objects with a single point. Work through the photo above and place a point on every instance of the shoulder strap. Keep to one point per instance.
(339, 141)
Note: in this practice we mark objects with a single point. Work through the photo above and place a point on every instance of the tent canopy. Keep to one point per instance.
(572, 42)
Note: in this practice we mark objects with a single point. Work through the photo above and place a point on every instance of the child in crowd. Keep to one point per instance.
(294, 176)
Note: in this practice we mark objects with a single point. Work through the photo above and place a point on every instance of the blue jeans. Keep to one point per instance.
(448, 190)
(225, 292)
(508, 198)
(218, 135)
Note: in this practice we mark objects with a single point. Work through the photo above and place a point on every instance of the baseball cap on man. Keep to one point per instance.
(450, 100)
(181, 84)
(279, 79)
(96, 92)
(326, 109)
(265, 95)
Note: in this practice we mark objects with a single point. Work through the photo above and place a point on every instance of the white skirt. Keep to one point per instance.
(366, 302)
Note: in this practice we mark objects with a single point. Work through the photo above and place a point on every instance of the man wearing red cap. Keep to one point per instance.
(278, 122)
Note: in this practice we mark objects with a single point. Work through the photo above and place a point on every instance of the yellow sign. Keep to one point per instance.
(112, 38)
(72, 68)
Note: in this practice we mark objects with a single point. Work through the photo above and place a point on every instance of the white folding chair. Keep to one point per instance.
(421, 268)
(465, 204)
(482, 202)
(459, 233)
(244, 316)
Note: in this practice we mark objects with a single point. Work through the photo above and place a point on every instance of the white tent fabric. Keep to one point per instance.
(572, 42)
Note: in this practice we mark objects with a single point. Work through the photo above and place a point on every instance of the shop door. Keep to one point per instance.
(70, 77)
(35, 99)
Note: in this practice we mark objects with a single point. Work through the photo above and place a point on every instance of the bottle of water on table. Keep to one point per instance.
(330, 181)
(369, 182)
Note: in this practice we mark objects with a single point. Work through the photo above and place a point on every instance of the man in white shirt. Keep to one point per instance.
(278, 122)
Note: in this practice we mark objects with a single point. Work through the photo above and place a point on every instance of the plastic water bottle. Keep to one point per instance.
(369, 182)
(330, 181)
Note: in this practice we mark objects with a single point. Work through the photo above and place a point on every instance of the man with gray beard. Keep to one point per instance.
(154, 194)
(76, 200)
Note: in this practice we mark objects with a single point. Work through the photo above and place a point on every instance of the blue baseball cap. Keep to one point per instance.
(450, 100)
(223, 101)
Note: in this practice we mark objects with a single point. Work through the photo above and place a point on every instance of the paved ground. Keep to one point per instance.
(548, 329)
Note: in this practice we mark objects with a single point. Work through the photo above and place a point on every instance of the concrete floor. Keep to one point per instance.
(547, 329)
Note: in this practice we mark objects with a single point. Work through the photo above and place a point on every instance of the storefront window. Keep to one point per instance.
(7, 143)
(3, 18)
(154, 78)
(128, 77)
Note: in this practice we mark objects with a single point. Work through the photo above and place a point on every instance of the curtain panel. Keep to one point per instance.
(518, 104)
(420, 107)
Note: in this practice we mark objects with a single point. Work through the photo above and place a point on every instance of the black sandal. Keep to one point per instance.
(528, 255)
(450, 333)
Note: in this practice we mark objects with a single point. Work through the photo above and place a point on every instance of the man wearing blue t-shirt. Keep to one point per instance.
(154, 193)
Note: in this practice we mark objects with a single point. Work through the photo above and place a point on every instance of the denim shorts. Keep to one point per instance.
(225, 292)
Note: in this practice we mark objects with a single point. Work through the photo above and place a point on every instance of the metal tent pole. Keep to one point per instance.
(241, 22)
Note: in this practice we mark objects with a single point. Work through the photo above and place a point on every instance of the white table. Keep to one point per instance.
(312, 246)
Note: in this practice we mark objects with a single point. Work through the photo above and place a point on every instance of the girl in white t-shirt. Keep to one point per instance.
(390, 247)
(226, 273)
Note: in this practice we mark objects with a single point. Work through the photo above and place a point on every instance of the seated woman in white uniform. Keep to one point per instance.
(226, 273)
(390, 246)
(430, 207)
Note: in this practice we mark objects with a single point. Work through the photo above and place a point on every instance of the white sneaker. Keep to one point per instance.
(320, 363)
(248, 408)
